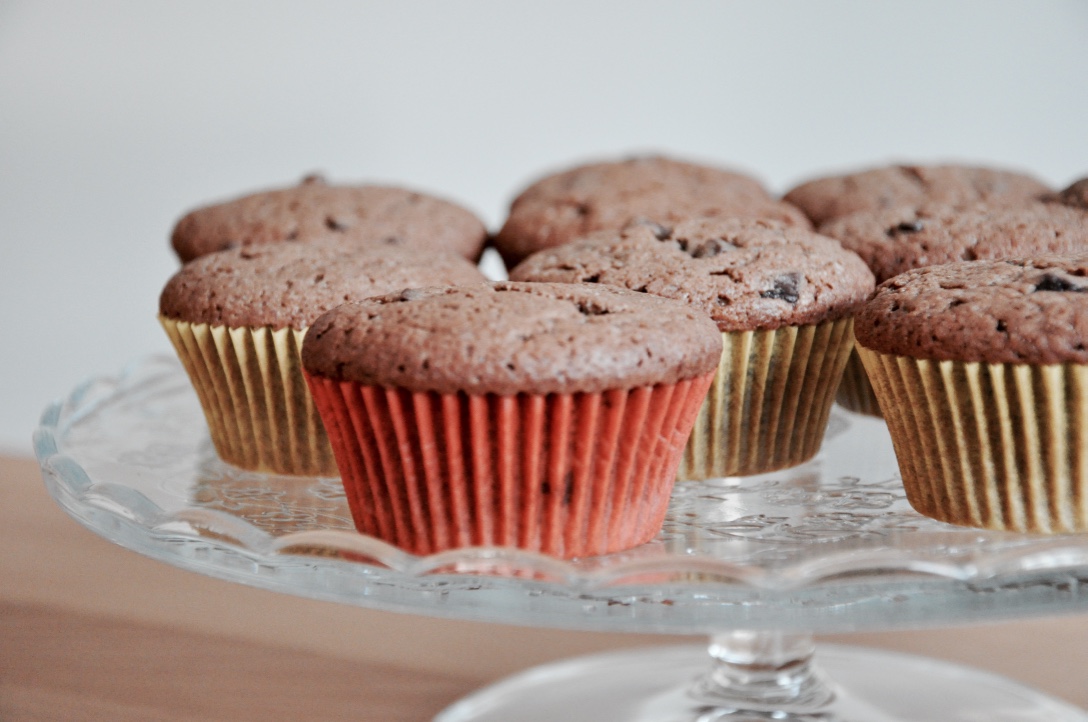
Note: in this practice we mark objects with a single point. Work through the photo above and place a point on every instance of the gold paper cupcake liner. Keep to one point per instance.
(564, 474)
(997, 446)
(856, 391)
(251, 388)
(768, 405)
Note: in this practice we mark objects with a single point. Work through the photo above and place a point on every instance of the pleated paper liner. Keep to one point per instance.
(997, 446)
(768, 405)
(250, 384)
(567, 475)
(856, 391)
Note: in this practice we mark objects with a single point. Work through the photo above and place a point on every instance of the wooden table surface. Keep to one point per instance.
(91, 631)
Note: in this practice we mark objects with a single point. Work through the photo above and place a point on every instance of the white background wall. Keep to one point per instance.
(115, 117)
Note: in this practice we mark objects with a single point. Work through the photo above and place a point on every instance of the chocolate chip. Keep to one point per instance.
(785, 288)
(595, 278)
(661, 233)
(711, 248)
(1050, 282)
(587, 310)
(906, 227)
(335, 225)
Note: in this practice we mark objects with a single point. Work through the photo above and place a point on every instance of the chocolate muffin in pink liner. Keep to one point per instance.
(371, 215)
(900, 239)
(876, 189)
(563, 206)
(781, 298)
(981, 368)
(237, 319)
(548, 417)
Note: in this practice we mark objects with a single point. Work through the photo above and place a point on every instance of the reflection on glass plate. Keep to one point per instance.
(830, 545)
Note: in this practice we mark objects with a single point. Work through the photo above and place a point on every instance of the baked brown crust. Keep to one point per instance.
(896, 240)
(874, 189)
(366, 215)
(291, 284)
(606, 196)
(745, 274)
(508, 338)
(1027, 310)
(1074, 195)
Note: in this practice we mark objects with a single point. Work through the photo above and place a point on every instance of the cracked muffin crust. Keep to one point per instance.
(874, 189)
(899, 239)
(564, 206)
(370, 215)
(509, 338)
(745, 274)
(291, 284)
(1028, 310)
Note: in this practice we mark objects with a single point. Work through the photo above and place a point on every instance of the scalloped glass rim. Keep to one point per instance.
(799, 549)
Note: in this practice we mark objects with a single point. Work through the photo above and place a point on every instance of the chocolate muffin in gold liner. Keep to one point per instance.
(902, 238)
(237, 319)
(781, 297)
(982, 371)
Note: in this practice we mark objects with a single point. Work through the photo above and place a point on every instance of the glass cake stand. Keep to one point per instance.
(761, 563)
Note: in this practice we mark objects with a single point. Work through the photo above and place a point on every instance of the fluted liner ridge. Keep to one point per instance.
(997, 446)
(249, 381)
(768, 405)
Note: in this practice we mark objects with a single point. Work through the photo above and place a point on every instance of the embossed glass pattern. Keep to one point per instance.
(831, 545)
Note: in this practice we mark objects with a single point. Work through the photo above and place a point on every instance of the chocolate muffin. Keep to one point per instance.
(369, 215)
(899, 239)
(876, 189)
(608, 195)
(237, 319)
(549, 417)
(982, 371)
(780, 296)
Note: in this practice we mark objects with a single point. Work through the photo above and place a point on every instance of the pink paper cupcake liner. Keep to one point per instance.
(564, 474)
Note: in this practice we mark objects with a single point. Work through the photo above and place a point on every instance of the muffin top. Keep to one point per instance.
(745, 274)
(899, 239)
(606, 196)
(875, 189)
(367, 215)
(1075, 195)
(291, 284)
(1026, 310)
(508, 338)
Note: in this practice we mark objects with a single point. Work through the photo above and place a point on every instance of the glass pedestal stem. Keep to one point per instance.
(764, 672)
